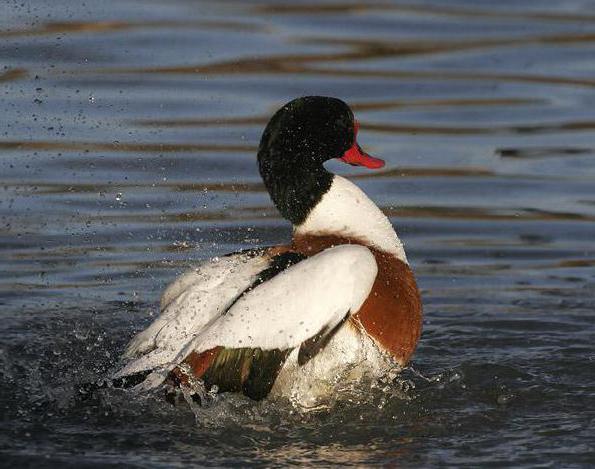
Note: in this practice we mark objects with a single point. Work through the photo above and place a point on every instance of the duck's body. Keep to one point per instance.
(337, 304)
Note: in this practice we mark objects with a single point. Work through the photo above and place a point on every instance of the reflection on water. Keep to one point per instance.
(12, 74)
(128, 152)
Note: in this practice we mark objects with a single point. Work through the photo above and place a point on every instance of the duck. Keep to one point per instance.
(337, 305)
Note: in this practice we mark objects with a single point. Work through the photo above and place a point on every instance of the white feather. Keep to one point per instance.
(297, 304)
(191, 302)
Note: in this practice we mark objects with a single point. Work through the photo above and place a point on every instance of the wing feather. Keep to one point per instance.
(300, 306)
(297, 304)
(191, 303)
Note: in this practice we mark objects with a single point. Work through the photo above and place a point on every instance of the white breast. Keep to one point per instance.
(346, 210)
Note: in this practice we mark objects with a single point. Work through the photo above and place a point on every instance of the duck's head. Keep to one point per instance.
(296, 142)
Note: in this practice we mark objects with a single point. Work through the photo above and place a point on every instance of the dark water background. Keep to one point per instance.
(128, 132)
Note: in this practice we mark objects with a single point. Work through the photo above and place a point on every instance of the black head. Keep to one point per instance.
(298, 139)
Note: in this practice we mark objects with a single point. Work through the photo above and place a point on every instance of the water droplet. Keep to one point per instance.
(504, 399)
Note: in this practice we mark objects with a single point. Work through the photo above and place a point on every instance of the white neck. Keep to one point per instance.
(347, 211)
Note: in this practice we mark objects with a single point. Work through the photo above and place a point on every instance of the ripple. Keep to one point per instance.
(92, 27)
(543, 152)
(426, 9)
(13, 74)
(122, 146)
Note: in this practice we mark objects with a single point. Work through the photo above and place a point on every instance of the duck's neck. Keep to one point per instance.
(294, 188)
(345, 210)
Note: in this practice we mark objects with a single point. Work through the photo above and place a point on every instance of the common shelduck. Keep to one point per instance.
(338, 304)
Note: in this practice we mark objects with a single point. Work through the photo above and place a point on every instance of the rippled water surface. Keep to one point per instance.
(127, 151)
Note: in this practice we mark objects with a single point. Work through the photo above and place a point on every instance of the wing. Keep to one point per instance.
(189, 304)
(291, 303)
(295, 305)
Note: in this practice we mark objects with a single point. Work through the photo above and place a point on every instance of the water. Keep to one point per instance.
(127, 150)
